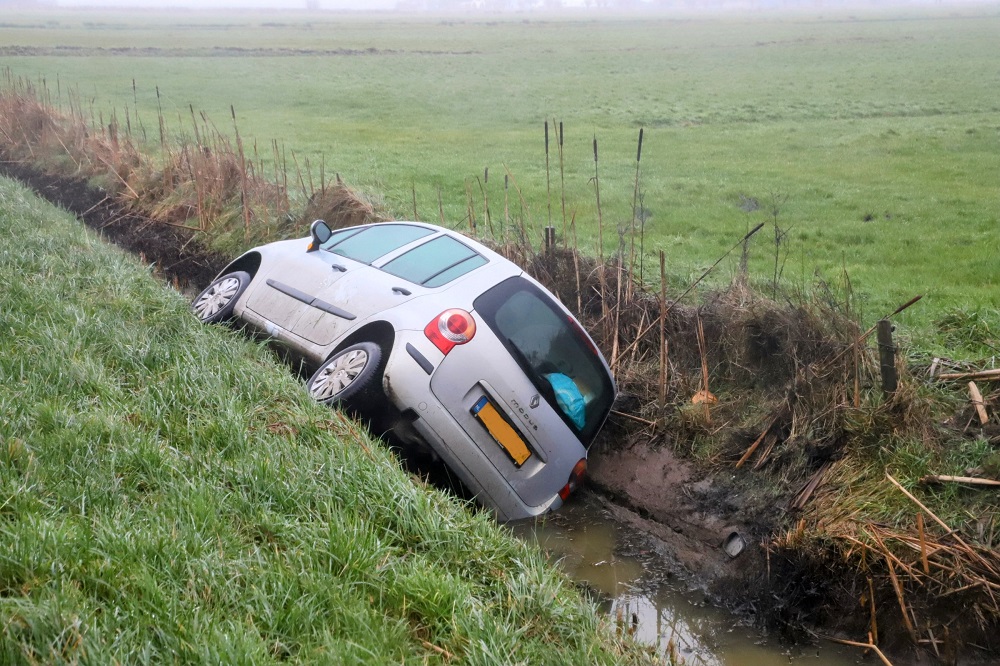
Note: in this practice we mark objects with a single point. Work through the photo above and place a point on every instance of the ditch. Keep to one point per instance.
(632, 577)
(663, 575)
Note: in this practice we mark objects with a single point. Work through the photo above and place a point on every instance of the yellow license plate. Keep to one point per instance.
(504, 434)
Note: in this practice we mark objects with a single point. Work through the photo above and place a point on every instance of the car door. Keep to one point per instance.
(291, 284)
(360, 288)
(359, 293)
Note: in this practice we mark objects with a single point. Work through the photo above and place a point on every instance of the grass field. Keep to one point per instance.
(170, 494)
(876, 138)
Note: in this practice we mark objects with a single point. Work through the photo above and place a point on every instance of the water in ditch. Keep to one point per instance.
(635, 586)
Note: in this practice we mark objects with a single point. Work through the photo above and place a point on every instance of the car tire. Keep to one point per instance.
(348, 376)
(215, 304)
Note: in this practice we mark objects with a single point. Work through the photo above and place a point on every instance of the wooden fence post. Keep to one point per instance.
(887, 356)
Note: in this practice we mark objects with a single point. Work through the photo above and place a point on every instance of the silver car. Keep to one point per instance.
(469, 355)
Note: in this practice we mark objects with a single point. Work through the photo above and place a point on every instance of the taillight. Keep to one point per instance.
(450, 328)
(575, 479)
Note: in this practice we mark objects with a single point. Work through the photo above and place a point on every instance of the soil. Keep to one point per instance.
(705, 522)
(177, 257)
(653, 488)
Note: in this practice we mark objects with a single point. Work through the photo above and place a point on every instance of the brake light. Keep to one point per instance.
(575, 479)
(450, 328)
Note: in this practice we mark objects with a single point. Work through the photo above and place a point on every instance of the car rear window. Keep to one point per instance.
(435, 262)
(553, 351)
(366, 244)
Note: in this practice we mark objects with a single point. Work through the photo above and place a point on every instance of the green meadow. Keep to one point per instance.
(868, 143)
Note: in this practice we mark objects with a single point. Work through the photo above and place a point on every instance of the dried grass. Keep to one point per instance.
(340, 206)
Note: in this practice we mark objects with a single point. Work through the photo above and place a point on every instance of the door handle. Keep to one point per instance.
(400, 290)
(339, 268)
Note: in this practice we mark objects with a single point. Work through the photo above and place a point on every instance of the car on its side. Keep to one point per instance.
(467, 354)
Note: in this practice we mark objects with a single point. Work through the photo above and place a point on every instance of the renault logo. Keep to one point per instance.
(535, 401)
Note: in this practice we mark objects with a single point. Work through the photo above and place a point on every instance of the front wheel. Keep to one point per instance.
(215, 304)
(348, 374)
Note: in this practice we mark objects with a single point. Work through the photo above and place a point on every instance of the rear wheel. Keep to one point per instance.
(215, 304)
(348, 375)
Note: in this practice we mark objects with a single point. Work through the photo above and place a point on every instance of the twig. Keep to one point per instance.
(966, 547)
(864, 336)
(972, 480)
(871, 603)
(440, 650)
(977, 402)
(703, 352)
(633, 417)
(811, 486)
(982, 375)
(753, 447)
(898, 588)
(867, 646)
(889, 556)
(94, 207)
(923, 544)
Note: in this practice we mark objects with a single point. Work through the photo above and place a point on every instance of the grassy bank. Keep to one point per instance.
(873, 135)
(168, 494)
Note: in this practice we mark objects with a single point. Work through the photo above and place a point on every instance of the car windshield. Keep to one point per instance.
(366, 244)
(553, 351)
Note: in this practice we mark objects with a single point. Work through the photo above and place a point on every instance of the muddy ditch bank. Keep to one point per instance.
(711, 529)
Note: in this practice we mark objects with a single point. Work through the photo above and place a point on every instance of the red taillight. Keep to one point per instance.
(450, 328)
(575, 479)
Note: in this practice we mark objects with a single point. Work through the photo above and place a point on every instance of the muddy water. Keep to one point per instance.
(634, 584)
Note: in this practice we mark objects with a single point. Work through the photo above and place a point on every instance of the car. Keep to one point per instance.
(459, 348)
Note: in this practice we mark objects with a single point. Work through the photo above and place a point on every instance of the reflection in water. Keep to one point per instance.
(633, 582)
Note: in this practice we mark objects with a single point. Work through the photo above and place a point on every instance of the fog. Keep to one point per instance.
(496, 6)
(330, 5)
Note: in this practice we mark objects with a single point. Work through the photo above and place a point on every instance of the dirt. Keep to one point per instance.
(660, 492)
(172, 250)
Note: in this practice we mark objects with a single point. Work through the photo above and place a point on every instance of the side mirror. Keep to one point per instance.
(321, 233)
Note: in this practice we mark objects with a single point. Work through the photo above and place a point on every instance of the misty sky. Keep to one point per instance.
(215, 4)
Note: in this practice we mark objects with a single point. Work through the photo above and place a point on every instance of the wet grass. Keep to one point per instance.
(877, 133)
(168, 493)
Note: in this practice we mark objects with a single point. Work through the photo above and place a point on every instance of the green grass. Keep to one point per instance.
(880, 131)
(169, 494)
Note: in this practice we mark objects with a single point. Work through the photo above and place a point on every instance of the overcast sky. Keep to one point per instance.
(381, 5)
(215, 4)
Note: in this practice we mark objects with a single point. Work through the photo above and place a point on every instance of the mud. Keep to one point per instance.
(652, 487)
(172, 249)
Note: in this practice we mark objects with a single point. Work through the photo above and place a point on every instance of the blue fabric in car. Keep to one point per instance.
(569, 398)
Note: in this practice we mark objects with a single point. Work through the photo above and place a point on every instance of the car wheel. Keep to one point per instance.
(215, 304)
(348, 374)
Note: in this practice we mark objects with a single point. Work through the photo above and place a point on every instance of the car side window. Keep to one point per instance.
(369, 243)
(436, 262)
